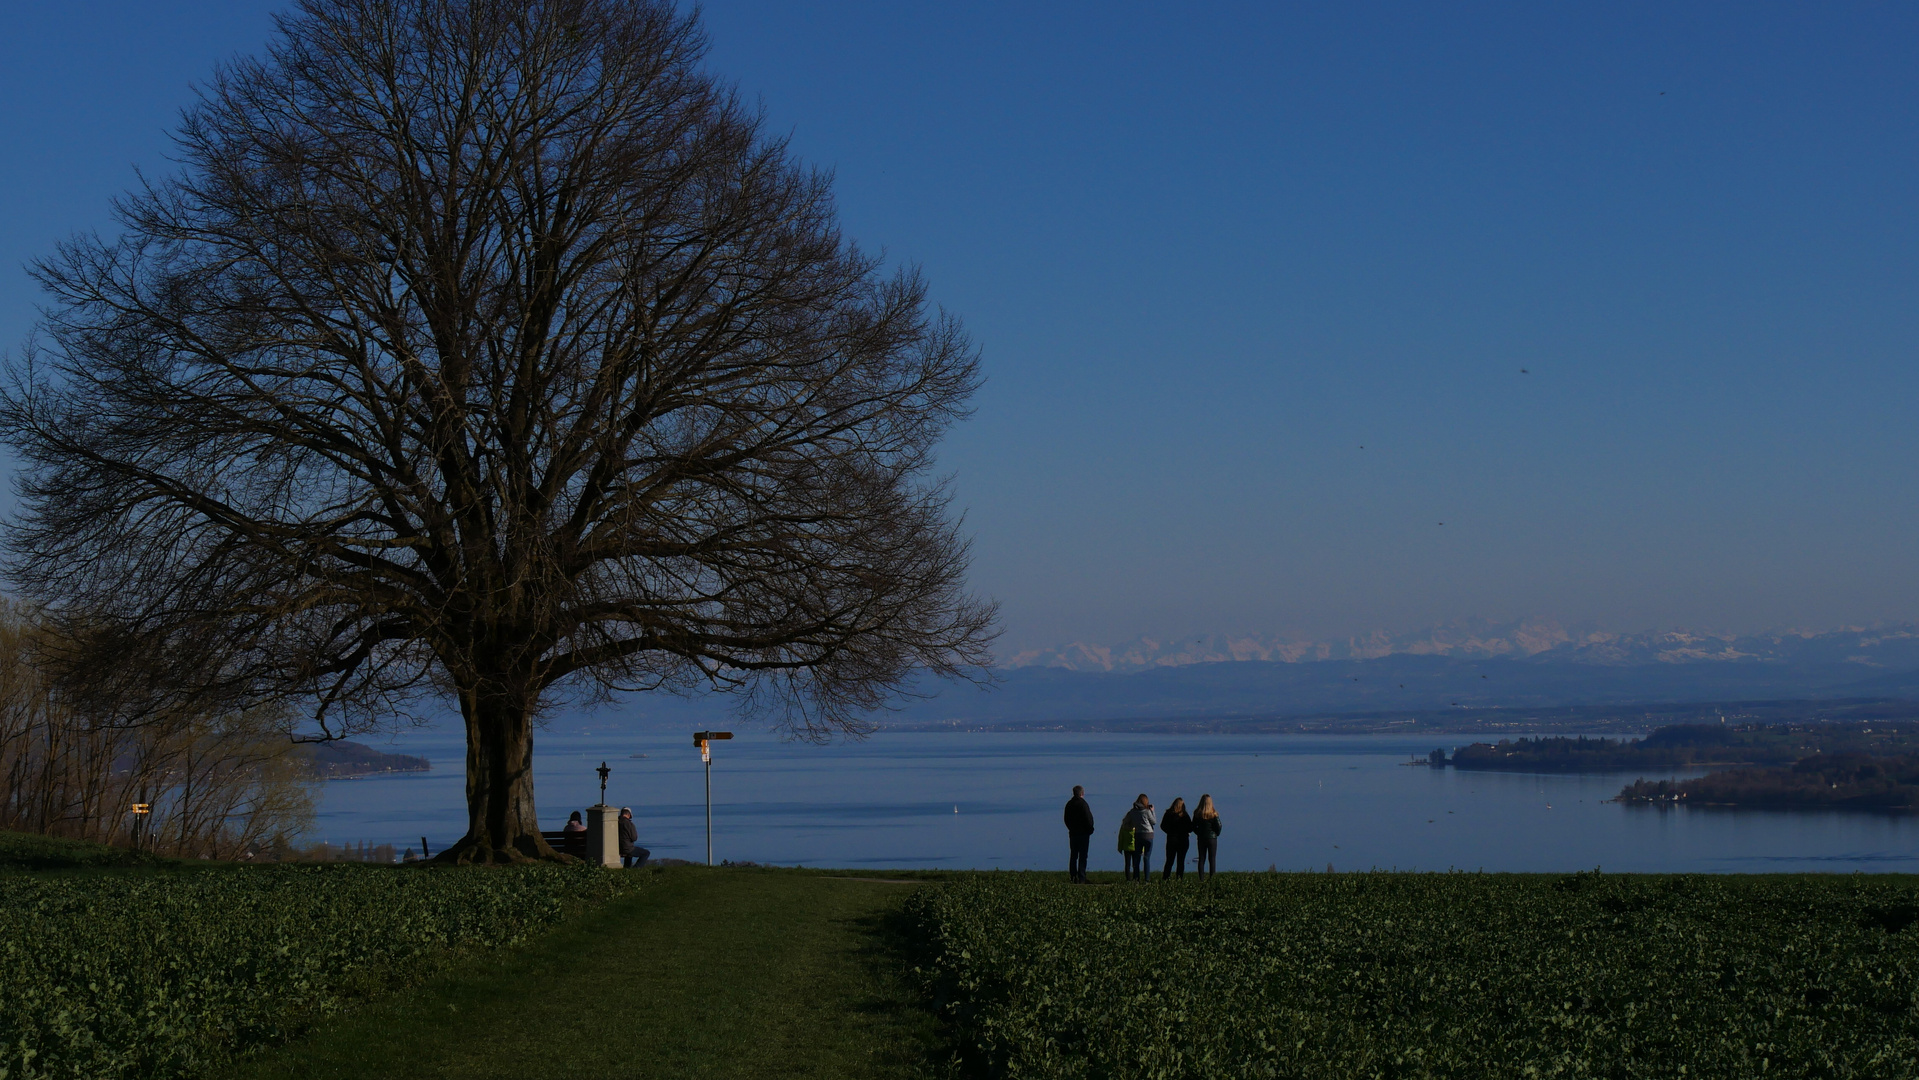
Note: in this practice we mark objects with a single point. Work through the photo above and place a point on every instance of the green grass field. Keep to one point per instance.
(702, 973)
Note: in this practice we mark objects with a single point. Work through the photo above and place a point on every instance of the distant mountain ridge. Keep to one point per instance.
(1459, 677)
(1891, 647)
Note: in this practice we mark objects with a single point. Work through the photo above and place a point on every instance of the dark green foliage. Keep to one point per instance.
(160, 975)
(1836, 781)
(1456, 975)
(31, 851)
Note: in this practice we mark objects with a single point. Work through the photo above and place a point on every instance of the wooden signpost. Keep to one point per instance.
(140, 812)
(703, 739)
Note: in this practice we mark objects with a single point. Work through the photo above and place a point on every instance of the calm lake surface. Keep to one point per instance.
(993, 800)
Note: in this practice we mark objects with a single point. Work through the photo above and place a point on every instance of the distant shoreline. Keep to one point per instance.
(353, 761)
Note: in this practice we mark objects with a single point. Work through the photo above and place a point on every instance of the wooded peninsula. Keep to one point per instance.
(1836, 766)
(1829, 781)
(1680, 746)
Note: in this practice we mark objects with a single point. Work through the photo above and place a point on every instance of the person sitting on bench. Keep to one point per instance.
(575, 835)
(632, 855)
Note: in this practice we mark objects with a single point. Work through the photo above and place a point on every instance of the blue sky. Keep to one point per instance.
(1209, 256)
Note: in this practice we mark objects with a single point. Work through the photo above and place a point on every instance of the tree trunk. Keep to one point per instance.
(502, 825)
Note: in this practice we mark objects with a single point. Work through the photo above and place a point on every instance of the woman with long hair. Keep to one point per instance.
(1177, 826)
(1206, 828)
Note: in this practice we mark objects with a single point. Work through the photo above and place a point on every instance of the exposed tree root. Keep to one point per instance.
(477, 851)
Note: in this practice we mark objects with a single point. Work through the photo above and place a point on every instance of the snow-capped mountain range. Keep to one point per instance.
(1891, 646)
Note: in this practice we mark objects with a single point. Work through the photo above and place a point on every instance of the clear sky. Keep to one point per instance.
(1210, 255)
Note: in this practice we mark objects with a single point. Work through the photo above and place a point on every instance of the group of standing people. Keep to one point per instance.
(1137, 833)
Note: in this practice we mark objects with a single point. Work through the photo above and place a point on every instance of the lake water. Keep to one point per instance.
(993, 800)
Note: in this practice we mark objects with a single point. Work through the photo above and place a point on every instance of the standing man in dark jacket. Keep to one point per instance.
(1079, 831)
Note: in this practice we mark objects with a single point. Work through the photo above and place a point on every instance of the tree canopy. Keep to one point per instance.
(488, 347)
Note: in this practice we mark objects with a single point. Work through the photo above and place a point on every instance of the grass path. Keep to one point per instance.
(709, 973)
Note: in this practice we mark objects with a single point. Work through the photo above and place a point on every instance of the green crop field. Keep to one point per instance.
(113, 966)
(1401, 975)
(162, 972)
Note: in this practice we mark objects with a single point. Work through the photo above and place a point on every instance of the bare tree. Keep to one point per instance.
(493, 347)
(217, 784)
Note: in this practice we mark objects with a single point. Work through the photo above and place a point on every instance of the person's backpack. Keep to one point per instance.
(1126, 839)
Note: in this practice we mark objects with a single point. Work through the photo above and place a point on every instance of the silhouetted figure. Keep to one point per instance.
(1177, 826)
(1079, 834)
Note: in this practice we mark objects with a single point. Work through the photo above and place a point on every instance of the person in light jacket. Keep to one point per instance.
(1139, 861)
(575, 839)
(1206, 830)
(1079, 835)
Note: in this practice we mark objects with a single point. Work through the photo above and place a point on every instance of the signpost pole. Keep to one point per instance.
(704, 740)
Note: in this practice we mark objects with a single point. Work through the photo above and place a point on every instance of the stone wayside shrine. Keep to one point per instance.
(603, 828)
(603, 835)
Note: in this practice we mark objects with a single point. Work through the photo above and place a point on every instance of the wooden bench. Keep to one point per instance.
(566, 843)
